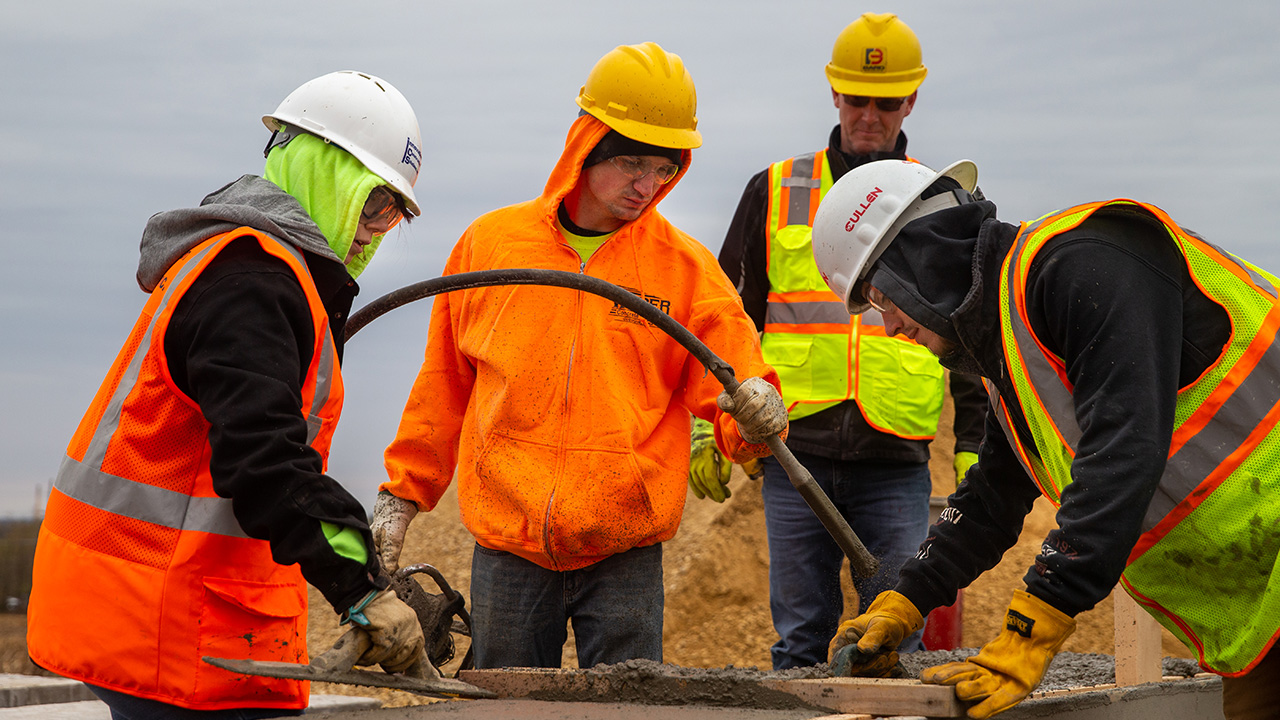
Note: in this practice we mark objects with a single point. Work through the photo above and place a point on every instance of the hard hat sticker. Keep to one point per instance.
(412, 155)
(873, 59)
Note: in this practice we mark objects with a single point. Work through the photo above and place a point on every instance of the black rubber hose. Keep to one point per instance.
(861, 561)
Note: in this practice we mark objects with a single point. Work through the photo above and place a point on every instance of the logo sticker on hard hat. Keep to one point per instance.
(873, 59)
(412, 155)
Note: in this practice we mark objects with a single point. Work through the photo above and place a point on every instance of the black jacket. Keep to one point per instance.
(240, 343)
(1114, 299)
(839, 432)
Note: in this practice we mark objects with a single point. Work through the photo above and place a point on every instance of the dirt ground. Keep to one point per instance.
(716, 578)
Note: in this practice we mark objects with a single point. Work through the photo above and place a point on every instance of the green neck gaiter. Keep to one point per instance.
(331, 185)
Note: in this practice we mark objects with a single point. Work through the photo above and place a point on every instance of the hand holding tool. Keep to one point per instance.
(867, 646)
(391, 518)
(395, 636)
(757, 408)
(1008, 668)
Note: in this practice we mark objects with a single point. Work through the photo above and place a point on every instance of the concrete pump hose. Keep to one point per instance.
(862, 562)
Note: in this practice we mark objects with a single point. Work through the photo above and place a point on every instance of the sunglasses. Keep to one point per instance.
(382, 205)
(883, 104)
(635, 168)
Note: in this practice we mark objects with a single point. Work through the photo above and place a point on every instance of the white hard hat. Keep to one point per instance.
(864, 210)
(364, 115)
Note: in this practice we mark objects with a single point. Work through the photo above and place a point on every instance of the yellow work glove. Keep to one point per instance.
(877, 634)
(708, 469)
(754, 468)
(963, 461)
(1008, 668)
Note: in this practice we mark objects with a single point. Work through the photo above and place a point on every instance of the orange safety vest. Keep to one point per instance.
(141, 568)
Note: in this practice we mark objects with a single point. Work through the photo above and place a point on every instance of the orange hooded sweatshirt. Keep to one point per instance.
(566, 416)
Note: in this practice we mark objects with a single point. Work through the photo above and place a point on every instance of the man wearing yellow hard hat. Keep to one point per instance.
(863, 406)
(565, 416)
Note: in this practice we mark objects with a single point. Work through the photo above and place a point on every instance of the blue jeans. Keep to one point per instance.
(520, 610)
(129, 707)
(886, 504)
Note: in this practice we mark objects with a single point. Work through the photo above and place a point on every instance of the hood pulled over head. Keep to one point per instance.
(331, 185)
(585, 135)
(928, 268)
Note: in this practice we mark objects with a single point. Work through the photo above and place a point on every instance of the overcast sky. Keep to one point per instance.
(116, 110)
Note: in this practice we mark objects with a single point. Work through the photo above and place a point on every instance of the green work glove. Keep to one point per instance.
(708, 469)
(1011, 666)
(877, 632)
(963, 461)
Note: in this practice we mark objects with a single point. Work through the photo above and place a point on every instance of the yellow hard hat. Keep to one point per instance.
(877, 55)
(644, 93)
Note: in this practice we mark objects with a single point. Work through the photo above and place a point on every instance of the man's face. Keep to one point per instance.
(869, 129)
(896, 322)
(381, 213)
(611, 198)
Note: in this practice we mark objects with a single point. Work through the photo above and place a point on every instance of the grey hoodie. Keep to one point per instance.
(250, 201)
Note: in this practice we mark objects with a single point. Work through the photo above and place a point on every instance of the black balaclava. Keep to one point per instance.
(927, 269)
(614, 144)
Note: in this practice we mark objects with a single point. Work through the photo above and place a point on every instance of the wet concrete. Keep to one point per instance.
(523, 709)
(647, 682)
(630, 690)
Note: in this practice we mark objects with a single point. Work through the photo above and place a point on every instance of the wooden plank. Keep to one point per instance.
(875, 696)
(1137, 643)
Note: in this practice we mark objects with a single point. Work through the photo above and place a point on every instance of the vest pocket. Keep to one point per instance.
(255, 621)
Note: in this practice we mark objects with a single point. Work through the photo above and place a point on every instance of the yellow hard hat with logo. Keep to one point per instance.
(646, 94)
(877, 55)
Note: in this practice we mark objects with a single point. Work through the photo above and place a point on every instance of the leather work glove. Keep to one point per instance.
(709, 471)
(392, 626)
(1008, 668)
(757, 407)
(963, 461)
(874, 637)
(391, 517)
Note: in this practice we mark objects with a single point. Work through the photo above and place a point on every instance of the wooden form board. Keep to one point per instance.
(876, 696)
(1137, 643)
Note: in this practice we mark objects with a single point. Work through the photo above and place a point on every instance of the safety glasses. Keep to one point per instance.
(382, 205)
(636, 168)
(883, 104)
(877, 300)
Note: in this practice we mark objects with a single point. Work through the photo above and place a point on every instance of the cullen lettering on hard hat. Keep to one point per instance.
(862, 209)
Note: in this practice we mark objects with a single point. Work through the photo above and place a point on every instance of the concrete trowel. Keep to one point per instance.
(337, 664)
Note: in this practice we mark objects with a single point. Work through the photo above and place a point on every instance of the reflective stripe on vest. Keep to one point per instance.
(134, 510)
(1205, 565)
(822, 355)
(86, 482)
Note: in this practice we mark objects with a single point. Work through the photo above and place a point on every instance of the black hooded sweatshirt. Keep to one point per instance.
(839, 432)
(1112, 298)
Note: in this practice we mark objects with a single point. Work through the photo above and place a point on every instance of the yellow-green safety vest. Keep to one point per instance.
(823, 355)
(1206, 565)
